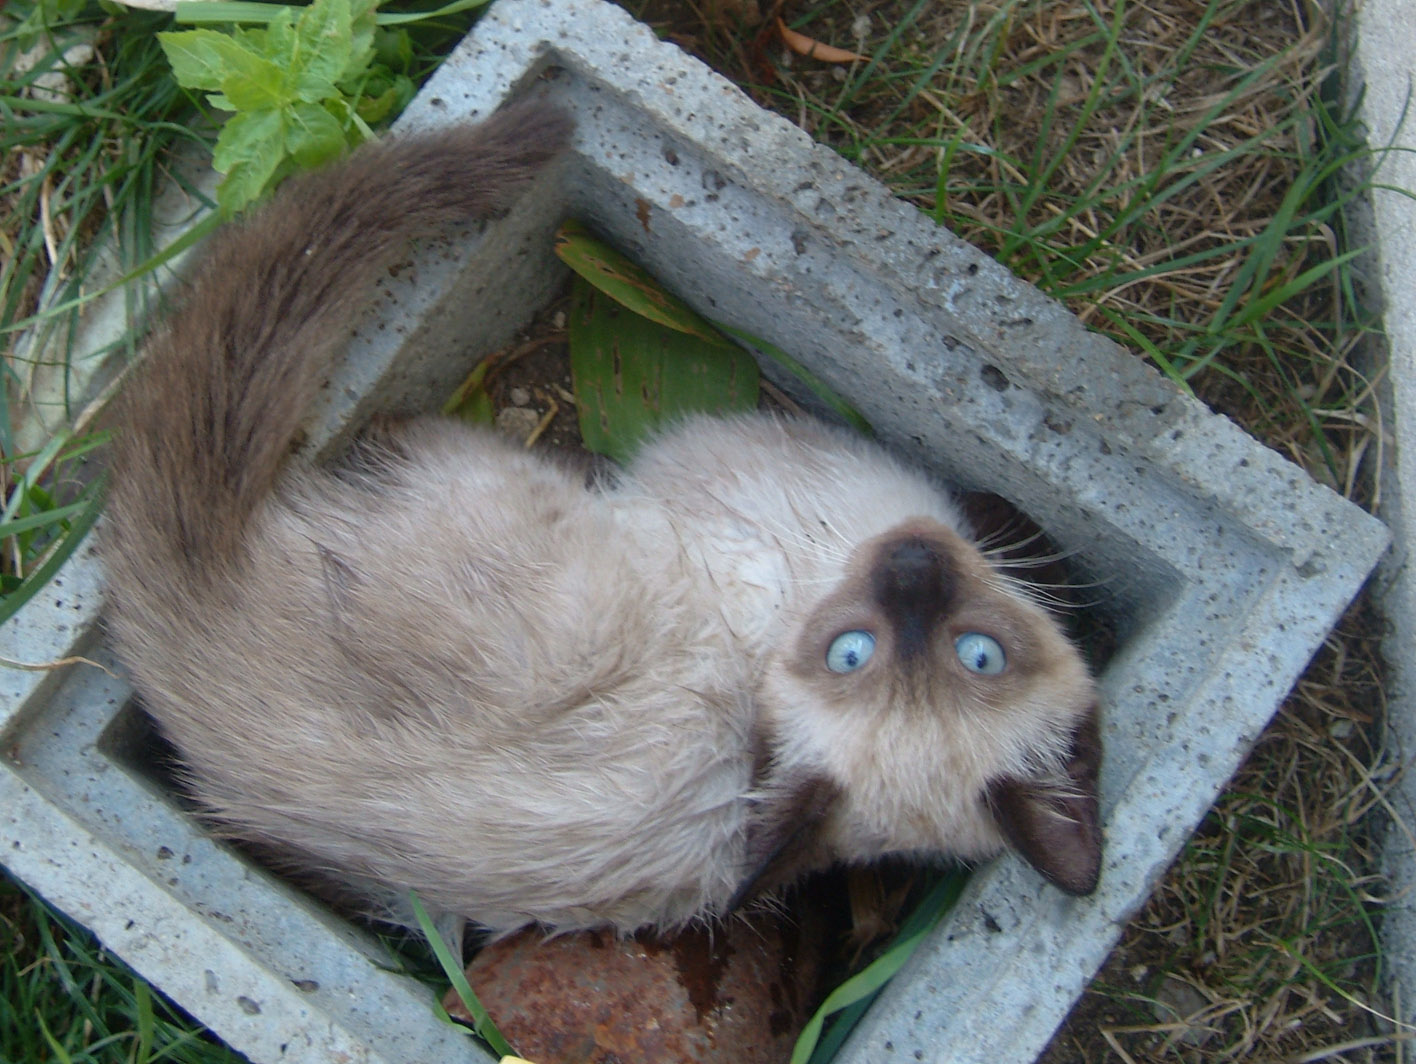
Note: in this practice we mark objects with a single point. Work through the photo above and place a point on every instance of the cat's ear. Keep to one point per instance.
(1055, 823)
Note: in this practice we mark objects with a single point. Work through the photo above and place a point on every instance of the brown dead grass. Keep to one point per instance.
(1259, 945)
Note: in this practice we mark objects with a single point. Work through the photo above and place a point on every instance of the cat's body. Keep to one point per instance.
(451, 666)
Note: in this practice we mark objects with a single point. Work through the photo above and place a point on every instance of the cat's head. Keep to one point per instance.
(942, 709)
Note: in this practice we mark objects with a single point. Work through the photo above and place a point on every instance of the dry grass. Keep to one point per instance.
(1166, 169)
(1260, 944)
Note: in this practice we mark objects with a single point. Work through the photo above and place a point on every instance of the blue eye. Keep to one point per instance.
(980, 653)
(849, 651)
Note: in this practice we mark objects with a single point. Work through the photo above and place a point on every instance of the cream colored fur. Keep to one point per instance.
(452, 667)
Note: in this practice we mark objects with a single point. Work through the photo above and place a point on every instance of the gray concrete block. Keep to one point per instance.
(1383, 73)
(1221, 566)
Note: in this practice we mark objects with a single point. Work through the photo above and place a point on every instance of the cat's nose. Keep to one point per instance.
(912, 564)
(913, 583)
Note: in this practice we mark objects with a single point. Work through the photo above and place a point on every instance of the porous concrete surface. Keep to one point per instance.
(1386, 69)
(1222, 565)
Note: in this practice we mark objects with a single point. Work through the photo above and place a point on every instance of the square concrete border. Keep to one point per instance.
(1223, 566)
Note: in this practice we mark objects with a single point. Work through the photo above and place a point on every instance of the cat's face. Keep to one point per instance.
(949, 711)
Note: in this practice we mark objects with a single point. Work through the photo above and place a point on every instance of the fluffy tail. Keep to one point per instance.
(204, 426)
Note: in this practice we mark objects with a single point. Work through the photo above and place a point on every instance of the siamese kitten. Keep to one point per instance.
(451, 666)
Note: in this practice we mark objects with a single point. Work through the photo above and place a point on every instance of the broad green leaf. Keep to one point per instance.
(389, 101)
(323, 49)
(363, 24)
(197, 57)
(394, 49)
(252, 81)
(633, 374)
(276, 41)
(241, 137)
(628, 283)
(249, 150)
(312, 135)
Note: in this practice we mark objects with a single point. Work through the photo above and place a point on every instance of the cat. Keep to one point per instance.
(448, 665)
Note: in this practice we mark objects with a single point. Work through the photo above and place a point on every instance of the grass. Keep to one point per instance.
(1167, 170)
(1171, 170)
(64, 999)
(81, 164)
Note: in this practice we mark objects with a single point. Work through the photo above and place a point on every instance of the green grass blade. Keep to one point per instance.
(59, 553)
(452, 968)
(142, 1001)
(470, 400)
(15, 526)
(252, 12)
(856, 993)
(60, 1053)
(193, 236)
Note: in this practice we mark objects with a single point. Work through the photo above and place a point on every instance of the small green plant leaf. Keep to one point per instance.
(628, 283)
(363, 28)
(248, 151)
(390, 101)
(322, 49)
(201, 59)
(257, 85)
(313, 135)
(284, 81)
(633, 374)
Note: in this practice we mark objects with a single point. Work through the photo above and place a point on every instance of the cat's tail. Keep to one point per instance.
(203, 426)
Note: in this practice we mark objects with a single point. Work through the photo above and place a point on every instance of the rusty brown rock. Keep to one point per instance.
(738, 993)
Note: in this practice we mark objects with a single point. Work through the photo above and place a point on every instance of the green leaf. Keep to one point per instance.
(813, 383)
(277, 41)
(147, 1026)
(633, 374)
(323, 49)
(15, 526)
(198, 57)
(394, 49)
(249, 150)
(629, 284)
(363, 24)
(313, 135)
(58, 553)
(389, 101)
(252, 81)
